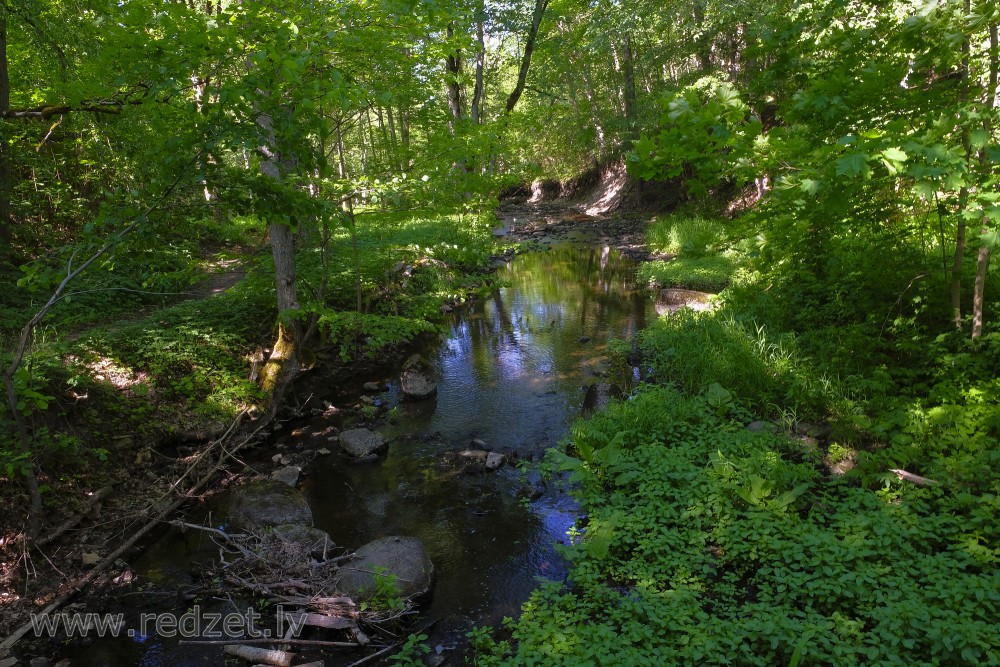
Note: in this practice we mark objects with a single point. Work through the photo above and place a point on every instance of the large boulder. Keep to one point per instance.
(267, 503)
(363, 443)
(401, 557)
(417, 378)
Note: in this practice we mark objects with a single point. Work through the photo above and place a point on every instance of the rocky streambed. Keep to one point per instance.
(425, 472)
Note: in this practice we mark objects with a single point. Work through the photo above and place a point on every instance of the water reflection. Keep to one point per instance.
(511, 372)
(512, 367)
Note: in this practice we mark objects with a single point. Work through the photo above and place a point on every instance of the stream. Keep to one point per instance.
(512, 371)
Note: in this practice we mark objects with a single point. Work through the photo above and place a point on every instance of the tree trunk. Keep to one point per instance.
(628, 68)
(977, 298)
(477, 93)
(394, 140)
(6, 176)
(283, 363)
(529, 46)
(454, 68)
(595, 110)
(404, 136)
(984, 251)
(703, 41)
(963, 197)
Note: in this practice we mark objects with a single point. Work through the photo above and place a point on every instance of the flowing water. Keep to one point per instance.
(511, 373)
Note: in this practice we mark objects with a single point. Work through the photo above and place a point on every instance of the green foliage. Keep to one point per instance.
(705, 127)
(195, 352)
(722, 546)
(355, 333)
(698, 350)
(412, 651)
(385, 597)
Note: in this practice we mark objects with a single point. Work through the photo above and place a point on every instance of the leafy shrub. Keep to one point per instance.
(354, 332)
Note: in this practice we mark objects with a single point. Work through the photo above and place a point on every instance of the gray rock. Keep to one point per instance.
(8, 662)
(362, 443)
(599, 396)
(267, 502)
(759, 426)
(403, 557)
(417, 379)
(373, 386)
(64, 663)
(40, 662)
(481, 444)
(288, 475)
(494, 460)
(303, 539)
(818, 431)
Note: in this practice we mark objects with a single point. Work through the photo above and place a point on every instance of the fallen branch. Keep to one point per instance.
(260, 655)
(272, 640)
(915, 479)
(75, 519)
(84, 581)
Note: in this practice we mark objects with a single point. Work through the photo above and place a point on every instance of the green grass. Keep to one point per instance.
(764, 369)
(685, 234)
(708, 274)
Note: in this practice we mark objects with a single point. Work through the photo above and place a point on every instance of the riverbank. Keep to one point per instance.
(484, 399)
(750, 505)
(131, 404)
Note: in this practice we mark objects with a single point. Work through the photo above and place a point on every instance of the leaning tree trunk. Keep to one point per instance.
(529, 47)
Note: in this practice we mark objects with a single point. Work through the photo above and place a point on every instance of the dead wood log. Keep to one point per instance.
(321, 620)
(915, 479)
(257, 655)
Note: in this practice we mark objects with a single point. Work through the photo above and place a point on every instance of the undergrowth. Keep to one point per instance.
(704, 541)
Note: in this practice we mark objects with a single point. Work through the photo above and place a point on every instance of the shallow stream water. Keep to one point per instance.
(511, 373)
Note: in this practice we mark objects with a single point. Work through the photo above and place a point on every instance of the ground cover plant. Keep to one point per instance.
(708, 543)
(719, 525)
